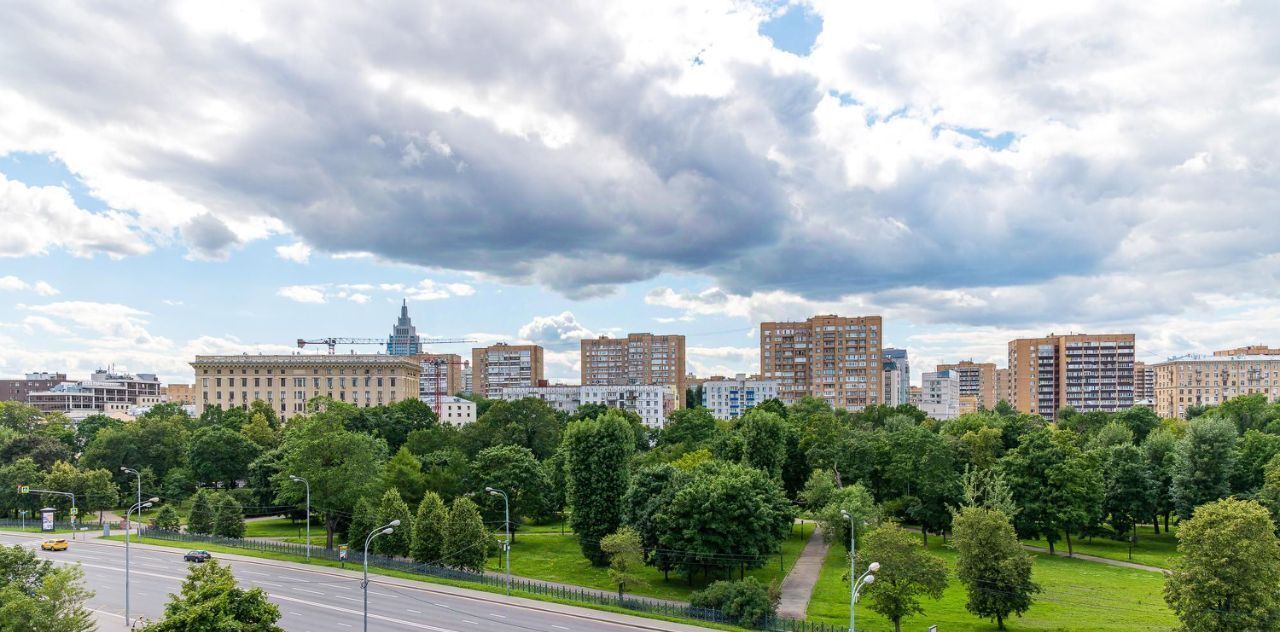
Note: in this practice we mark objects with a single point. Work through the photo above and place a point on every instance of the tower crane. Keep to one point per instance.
(333, 342)
(441, 363)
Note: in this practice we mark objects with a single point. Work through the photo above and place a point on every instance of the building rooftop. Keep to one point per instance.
(307, 358)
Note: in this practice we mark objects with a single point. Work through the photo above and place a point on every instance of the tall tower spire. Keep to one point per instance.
(404, 336)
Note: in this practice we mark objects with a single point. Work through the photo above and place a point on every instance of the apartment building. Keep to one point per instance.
(179, 393)
(500, 366)
(103, 392)
(915, 397)
(456, 411)
(441, 373)
(1004, 386)
(977, 380)
(467, 385)
(565, 399)
(640, 359)
(1144, 383)
(897, 377)
(940, 394)
(1250, 350)
(728, 398)
(288, 382)
(16, 390)
(834, 358)
(1085, 371)
(1196, 380)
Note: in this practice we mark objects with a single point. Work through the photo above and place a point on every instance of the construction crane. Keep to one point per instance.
(440, 363)
(334, 342)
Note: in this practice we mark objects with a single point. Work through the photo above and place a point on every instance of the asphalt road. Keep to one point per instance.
(320, 599)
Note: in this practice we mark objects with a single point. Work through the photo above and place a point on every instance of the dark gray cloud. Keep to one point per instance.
(576, 146)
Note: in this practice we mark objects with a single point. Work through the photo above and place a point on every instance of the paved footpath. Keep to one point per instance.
(1100, 560)
(799, 584)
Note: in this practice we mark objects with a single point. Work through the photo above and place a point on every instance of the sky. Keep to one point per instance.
(180, 178)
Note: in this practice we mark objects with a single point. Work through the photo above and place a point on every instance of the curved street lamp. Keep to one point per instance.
(383, 530)
(139, 506)
(299, 479)
(856, 583)
(506, 522)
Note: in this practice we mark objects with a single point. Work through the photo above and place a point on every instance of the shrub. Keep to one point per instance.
(746, 602)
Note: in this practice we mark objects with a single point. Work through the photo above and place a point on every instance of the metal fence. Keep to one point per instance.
(555, 591)
(34, 523)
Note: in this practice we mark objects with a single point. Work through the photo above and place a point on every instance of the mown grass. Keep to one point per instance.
(1076, 595)
(556, 558)
(1151, 549)
(215, 548)
(280, 528)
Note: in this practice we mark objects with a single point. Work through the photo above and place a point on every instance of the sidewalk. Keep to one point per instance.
(1100, 560)
(798, 586)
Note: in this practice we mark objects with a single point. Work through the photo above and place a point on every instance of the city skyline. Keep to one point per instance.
(734, 164)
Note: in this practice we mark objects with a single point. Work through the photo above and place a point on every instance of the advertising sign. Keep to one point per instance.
(46, 520)
(342, 552)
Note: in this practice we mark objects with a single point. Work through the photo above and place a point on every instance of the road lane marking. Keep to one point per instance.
(113, 614)
(255, 573)
(337, 586)
(471, 622)
(496, 615)
(347, 598)
(420, 626)
(374, 592)
(559, 627)
(414, 611)
(297, 614)
(345, 625)
(259, 581)
(314, 592)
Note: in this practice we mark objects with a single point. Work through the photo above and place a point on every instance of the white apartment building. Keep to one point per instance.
(728, 398)
(652, 403)
(455, 411)
(103, 392)
(940, 394)
(565, 399)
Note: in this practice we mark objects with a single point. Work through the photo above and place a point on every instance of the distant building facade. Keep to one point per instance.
(104, 391)
(565, 399)
(500, 366)
(834, 358)
(16, 390)
(1004, 386)
(288, 382)
(441, 372)
(455, 411)
(940, 394)
(897, 377)
(1211, 380)
(1144, 384)
(640, 359)
(404, 340)
(653, 403)
(728, 398)
(915, 396)
(1250, 350)
(179, 393)
(977, 379)
(1085, 371)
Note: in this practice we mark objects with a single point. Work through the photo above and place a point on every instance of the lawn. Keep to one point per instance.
(1151, 549)
(1076, 595)
(280, 528)
(555, 558)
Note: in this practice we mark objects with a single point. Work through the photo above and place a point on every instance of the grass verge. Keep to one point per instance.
(1151, 549)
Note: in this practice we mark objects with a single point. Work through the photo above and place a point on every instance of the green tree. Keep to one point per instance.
(1159, 450)
(44, 450)
(907, 573)
(597, 457)
(427, 545)
(765, 437)
(466, 541)
(167, 519)
(691, 427)
(1246, 412)
(1253, 451)
(201, 517)
(338, 463)
(1230, 566)
(35, 596)
(403, 473)
(1076, 494)
(1115, 433)
(24, 471)
(98, 491)
(650, 490)
(395, 544)
(259, 431)
(852, 499)
(20, 417)
(514, 470)
(528, 422)
(1140, 420)
(228, 521)
(992, 565)
(626, 557)
(268, 414)
(211, 601)
(221, 455)
(364, 519)
(1130, 493)
(90, 426)
(818, 490)
(726, 515)
(1203, 464)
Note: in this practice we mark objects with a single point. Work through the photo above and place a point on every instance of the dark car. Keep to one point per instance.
(197, 556)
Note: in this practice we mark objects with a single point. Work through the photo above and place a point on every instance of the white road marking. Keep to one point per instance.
(413, 611)
(113, 614)
(345, 625)
(259, 581)
(296, 614)
(347, 598)
(471, 622)
(374, 592)
(559, 627)
(314, 592)
(496, 615)
(420, 626)
(255, 573)
(337, 586)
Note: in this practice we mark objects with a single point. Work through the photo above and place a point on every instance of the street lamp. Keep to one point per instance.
(126, 526)
(138, 507)
(383, 530)
(299, 479)
(856, 583)
(506, 522)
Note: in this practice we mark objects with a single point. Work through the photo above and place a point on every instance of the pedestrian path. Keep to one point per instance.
(799, 583)
(1100, 560)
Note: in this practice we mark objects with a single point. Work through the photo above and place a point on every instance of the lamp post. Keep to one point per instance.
(299, 479)
(127, 470)
(506, 522)
(383, 530)
(856, 583)
(139, 506)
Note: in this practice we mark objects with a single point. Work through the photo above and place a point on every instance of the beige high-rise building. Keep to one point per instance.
(440, 371)
(641, 359)
(1004, 385)
(500, 366)
(977, 380)
(1250, 350)
(1085, 371)
(830, 357)
(179, 393)
(1197, 380)
(288, 382)
(1144, 383)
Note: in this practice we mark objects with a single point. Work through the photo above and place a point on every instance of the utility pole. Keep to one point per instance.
(126, 528)
(139, 507)
(383, 530)
(856, 583)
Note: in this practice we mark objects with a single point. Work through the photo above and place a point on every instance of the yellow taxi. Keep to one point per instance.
(59, 544)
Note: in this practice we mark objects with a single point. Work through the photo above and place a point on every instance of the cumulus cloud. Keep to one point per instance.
(303, 293)
(555, 329)
(13, 283)
(38, 219)
(424, 290)
(112, 324)
(296, 252)
(951, 155)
